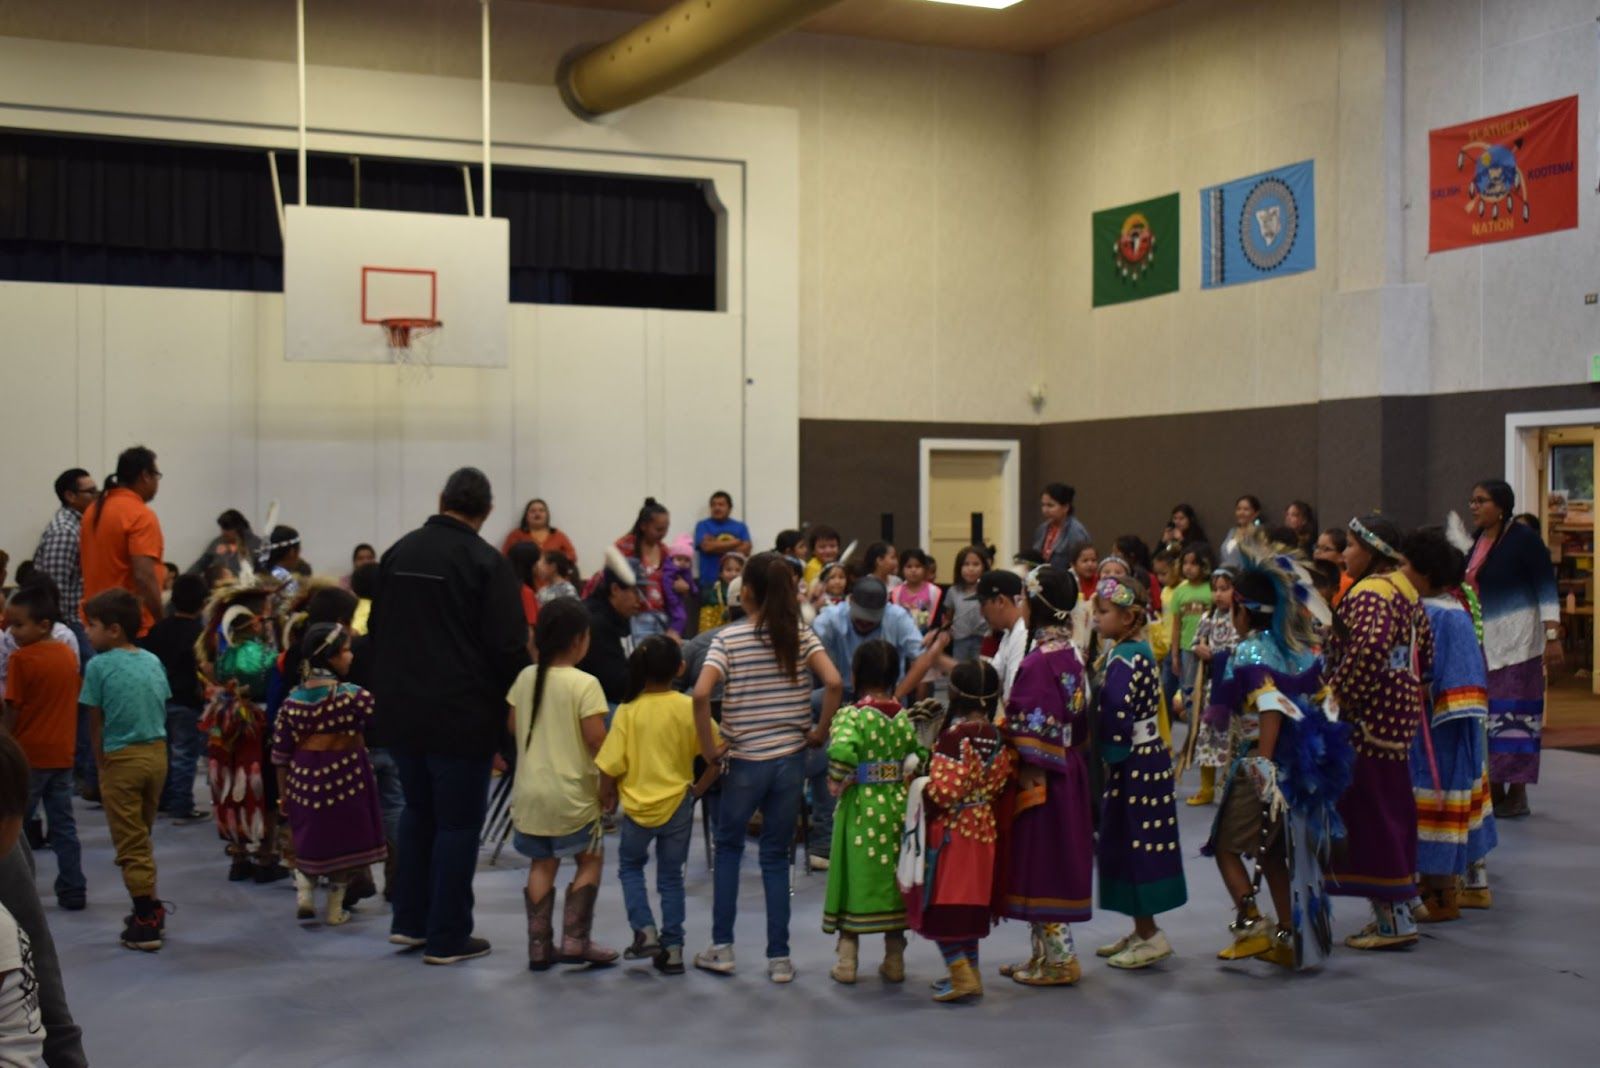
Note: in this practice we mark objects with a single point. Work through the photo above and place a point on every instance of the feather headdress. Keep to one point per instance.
(1455, 532)
(1296, 603)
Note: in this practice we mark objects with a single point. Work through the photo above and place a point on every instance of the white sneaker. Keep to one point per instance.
(1115, 947)
(780, 970)
(716, 958)
(1143, 952)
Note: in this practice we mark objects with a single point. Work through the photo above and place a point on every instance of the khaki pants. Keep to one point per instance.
(130, 789)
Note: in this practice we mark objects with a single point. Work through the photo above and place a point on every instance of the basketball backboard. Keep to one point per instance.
(348, 270)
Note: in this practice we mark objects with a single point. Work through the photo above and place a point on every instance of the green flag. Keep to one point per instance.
(1136, 251)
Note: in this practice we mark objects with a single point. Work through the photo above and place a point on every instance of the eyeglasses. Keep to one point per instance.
(1480, 500)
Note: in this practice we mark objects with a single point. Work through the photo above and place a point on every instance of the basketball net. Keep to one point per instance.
(411, 344)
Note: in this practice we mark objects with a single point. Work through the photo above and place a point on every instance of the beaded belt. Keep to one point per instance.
(1146, 730)
(870, 774)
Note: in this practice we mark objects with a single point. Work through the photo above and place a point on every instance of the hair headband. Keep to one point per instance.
(1035, 592)
(1375, 543)
(335, 636)
(981, 698)
(1119, 592)
(1115, 558)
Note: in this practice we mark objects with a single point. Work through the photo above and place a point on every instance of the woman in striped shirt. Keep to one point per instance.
(765, 663)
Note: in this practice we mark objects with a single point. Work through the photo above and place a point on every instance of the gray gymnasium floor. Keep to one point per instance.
(241, 983)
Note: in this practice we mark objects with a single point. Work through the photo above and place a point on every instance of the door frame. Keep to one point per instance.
(1010, 482)
(1523, 450)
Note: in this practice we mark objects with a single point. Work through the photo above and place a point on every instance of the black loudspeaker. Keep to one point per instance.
(886, 527)
(977, 529)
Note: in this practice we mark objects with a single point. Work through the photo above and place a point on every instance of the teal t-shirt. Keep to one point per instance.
(130, 687)
(1189, 601)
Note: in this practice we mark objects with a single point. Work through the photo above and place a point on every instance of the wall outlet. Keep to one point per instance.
(1591, 298)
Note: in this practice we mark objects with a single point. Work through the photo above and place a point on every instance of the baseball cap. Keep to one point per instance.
(999, 584)
(867, 600)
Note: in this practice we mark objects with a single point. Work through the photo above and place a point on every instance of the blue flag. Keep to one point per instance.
(1258, 227)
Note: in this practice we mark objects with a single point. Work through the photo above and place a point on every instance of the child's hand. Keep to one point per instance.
(815, 738)
(1203, 651)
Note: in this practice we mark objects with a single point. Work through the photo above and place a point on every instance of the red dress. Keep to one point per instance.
(969, 769)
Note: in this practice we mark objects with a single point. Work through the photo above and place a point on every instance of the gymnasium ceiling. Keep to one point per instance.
(1029, 28)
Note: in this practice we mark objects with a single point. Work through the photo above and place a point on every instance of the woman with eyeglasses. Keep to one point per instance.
(1510, 568)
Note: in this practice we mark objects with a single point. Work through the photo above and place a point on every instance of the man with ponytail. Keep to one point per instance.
(120, 544)
(763, 662)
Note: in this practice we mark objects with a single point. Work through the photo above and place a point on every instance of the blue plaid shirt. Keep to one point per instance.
(57, 556)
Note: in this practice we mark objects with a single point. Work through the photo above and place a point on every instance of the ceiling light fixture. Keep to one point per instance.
(994, 5)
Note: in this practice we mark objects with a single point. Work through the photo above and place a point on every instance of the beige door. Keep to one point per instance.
(959, 484)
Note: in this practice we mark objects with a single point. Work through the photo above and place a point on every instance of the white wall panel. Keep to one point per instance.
(39, 394)
(167, 370)
(589, 422)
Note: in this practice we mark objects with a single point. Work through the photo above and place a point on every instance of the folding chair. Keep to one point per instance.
(497, 824)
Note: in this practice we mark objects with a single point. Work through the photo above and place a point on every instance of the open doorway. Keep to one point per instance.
(1561, 460)
(969, 491)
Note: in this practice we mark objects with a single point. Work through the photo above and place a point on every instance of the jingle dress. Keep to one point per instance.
(867, 749)
(1380, 653)
(1517, 587)
(1047, 865)
(1312, 761)
(234, 724)
(1141, 864)
(1211, 749)
(968, 771)
(1449, 759)
(331, 796)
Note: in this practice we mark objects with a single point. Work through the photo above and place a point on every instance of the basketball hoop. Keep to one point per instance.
(411, 342)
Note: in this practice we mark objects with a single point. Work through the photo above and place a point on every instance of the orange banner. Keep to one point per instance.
(1500, 178)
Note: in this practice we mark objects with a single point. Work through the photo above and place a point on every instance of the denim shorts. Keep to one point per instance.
(545, 847)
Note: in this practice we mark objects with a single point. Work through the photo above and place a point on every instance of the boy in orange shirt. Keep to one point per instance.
(41, 712)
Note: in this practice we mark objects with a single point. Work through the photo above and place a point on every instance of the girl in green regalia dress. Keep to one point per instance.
(872, 746)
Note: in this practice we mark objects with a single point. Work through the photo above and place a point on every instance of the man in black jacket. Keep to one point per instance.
(448, 639)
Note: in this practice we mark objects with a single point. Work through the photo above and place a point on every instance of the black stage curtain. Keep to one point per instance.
(99, 211)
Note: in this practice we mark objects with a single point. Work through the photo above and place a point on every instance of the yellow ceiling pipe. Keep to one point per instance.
(686, 40)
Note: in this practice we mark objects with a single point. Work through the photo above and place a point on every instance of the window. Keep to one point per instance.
(123, 212)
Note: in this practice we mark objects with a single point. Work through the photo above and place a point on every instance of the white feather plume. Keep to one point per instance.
(1455, 532)
(621, 567)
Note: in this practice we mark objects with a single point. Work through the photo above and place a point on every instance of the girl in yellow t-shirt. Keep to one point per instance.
(649, 757)
(558, 718)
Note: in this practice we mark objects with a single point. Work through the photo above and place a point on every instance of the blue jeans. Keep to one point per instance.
(447, 798)
(83, 764)
(773, 788)
(672, 853)
(183, 755)
(391, 795)
(54, 788)
(819, 840)
(646, 624)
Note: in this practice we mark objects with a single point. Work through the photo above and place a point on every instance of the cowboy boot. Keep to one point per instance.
(847, 954)
(893, 968)
(541, 946)
(576, 923)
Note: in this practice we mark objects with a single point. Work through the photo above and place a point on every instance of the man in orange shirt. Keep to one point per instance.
(121, 544)
(41, 712)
